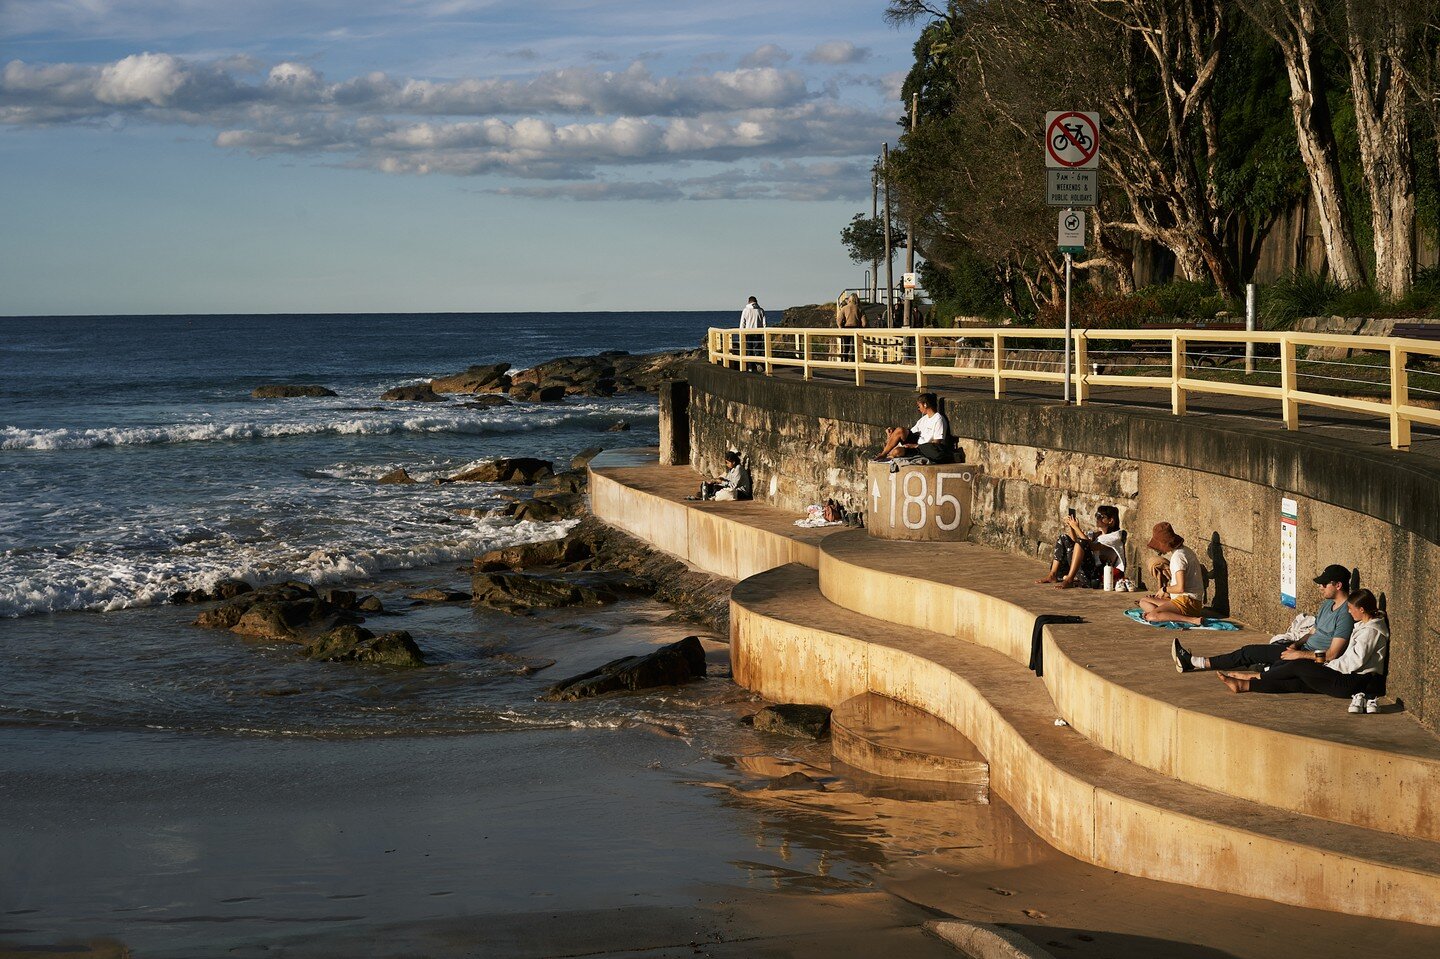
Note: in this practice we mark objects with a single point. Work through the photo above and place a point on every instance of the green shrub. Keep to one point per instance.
(1299, 294)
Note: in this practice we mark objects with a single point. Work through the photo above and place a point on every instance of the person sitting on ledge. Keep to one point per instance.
(1083, 555)
(1357, 672)
(736, 483)
(1333, 624)
(1177, 598)
(929, 437)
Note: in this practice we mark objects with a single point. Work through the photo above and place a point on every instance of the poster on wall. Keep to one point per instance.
(1289, 513)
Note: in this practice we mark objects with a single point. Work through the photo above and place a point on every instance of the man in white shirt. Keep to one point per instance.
(1181, 586)
(929, 437)
(753, 318)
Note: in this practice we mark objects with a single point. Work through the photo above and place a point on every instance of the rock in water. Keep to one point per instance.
(437, 595)
(522, 470)
(795, 781)
(356, 644)
(521, 592)
(794, 719)
(582, 459)
(280, 391)
(290, 621)
(396, 477)
(619, 426)
(671, 665)
(549, 553)
(370, 604)
(420, 393)
(474, 380)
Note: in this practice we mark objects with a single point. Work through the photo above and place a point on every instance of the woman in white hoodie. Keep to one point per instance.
(1356, 673)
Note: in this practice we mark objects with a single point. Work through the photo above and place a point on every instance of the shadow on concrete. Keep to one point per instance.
(1219, 577)
(1064, 941)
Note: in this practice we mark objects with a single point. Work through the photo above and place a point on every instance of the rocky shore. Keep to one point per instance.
(611, 373)
(592, 565)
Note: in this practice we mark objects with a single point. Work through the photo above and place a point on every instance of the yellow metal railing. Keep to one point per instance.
(1006, 354)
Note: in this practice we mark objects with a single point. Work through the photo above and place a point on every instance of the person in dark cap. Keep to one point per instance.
(1178, 596)
(1324, 643)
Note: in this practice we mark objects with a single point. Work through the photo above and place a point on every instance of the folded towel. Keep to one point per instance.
(1220, 624)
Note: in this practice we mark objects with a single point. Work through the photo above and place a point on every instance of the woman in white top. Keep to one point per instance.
(929, 437)
(1178, 596)
(1358, 672)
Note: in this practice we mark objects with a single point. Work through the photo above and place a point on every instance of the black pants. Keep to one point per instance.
(935, 452)
(1065, 548)
(1302, 676)
(1260, 654)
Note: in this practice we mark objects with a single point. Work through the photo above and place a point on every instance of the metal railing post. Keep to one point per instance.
(1082, 368)
(1177, 373)
(1289, 409)
(919, 360)
(1399, 397)
(998, 360)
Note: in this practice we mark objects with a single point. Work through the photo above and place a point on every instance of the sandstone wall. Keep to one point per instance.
(1377, 511)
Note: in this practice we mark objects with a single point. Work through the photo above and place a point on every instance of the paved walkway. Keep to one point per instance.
(1362, 431)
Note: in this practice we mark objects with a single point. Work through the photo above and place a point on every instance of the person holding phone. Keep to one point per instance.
(1082, 555)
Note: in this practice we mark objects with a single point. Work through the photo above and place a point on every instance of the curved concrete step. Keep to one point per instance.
(1112, 679)
(889, 738)
(790, 643)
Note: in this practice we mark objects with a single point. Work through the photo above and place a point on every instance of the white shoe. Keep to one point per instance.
(1372, 705)
(1357, 703)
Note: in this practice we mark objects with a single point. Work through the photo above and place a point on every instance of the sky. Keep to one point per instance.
(196, 156)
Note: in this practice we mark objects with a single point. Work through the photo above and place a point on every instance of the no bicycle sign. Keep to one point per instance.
(1072, 140)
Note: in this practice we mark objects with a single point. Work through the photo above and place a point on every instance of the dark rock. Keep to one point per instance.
(290, 621)
(277, 391)
(474, 380)
(522, 470)
(794, 719)
(486, 402)
(436, 595)
(548, 509)
(671, 665)
(550, 394)
(513, 592)
(582, 459)
(570, 481)
(396, 477)
(795, 781)
(355, 644)
(619, 426)
(230, 588)
(222, 617)
(419, 393)
(370, 604)
(549, 553)
(340, 598)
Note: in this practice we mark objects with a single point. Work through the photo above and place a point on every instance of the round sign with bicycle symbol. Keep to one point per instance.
(1072, 140)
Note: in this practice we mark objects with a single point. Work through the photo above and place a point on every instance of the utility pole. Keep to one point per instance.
(910, 220)
(875, 215)
(889, 256)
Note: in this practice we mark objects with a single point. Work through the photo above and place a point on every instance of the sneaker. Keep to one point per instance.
(1357, 703)
(1372, 705)
(1181, 655)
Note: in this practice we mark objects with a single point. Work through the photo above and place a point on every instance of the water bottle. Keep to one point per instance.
(1109, 579)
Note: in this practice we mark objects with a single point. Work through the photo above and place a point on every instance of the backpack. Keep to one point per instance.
(833, 512)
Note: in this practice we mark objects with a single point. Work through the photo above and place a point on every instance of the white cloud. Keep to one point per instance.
(572, 124)
(769, 55)
(837, 52)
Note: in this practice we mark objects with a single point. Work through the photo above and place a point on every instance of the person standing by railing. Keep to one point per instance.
(752, 318)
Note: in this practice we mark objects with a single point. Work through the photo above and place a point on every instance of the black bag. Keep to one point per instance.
(708, 490)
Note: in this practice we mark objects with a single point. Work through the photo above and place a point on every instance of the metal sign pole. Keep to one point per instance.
(1250, 327)
(1067, 328)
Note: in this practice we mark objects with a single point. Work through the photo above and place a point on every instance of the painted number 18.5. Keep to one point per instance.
(912, 503)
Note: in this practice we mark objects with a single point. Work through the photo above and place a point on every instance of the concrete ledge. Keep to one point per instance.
(630, 491)
(790, 643)
(892, 739)
(1113, 681)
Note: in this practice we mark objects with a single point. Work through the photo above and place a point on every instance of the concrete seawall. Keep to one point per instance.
(1220, 484)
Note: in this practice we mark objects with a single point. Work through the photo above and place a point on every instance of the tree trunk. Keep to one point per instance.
(1376, 47)
(1293, 25)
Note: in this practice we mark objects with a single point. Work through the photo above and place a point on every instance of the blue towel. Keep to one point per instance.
(1221, 624)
